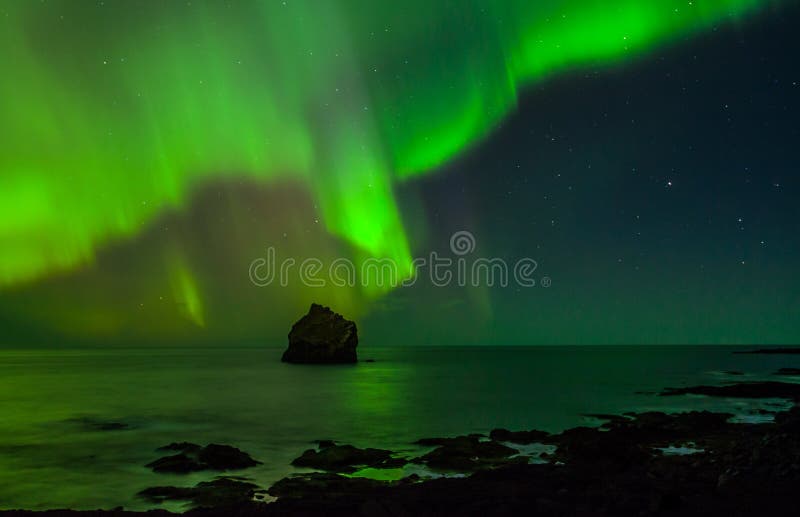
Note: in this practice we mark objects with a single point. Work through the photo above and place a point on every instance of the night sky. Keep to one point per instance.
(643, 154)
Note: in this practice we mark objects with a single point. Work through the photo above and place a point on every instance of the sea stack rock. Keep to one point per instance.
(322, 337)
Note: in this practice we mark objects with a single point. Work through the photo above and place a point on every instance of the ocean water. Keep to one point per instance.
(78, 426)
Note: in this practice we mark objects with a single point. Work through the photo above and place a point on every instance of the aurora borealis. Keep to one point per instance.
(149, 151)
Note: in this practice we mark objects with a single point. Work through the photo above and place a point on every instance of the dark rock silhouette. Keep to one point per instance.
(324, 484)
(223, 491)
(180, 447)
(192, 458)
(342, 458)
(467, 453)
(225, 457)
(176, 464)
(322, 337)
(520, 437)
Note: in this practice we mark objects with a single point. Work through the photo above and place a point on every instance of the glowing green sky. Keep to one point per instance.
(116, 112)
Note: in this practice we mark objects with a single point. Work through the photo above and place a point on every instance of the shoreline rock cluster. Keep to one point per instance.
(645, 463)
(622, 467)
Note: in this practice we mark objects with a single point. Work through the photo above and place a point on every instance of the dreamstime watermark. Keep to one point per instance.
(442, 271)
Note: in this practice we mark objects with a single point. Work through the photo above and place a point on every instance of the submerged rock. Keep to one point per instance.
(466, 453)
(322, 336)
(176, 464)
(225, 457)
(223, 491)
(630, 440)
(342, 458)
(520, 437)
(180, 447)
(193, 457)
(318, 484)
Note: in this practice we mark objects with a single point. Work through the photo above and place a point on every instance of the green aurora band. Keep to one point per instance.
(114, 112)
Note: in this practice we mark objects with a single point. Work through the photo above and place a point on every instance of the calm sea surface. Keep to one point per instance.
(61, 444)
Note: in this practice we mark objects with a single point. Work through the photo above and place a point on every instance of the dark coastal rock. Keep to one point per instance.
(193, 458)
(223, 491)
(320, 337)
(316, 484)
(590, 444)
(631, 440)
(225, 457)
(788, 371)
(176, 464)
(180, 447)
(520, 437)
(607, 419)
(675, 424)
(392, 463)
(467, 453)
(767, 389)
(789, 420)
(341, 458)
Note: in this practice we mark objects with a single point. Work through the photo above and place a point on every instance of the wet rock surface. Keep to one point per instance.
(520, 437)
(192, 458)
(342, 458)
(221, 492)
(466, 453)
(322, 337)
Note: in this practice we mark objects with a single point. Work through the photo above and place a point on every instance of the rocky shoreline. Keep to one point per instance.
(650, 463)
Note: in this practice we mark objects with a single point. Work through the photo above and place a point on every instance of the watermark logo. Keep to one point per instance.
(441, 271)
(462, 243)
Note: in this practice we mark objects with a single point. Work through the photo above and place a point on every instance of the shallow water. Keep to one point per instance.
(60, 445)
